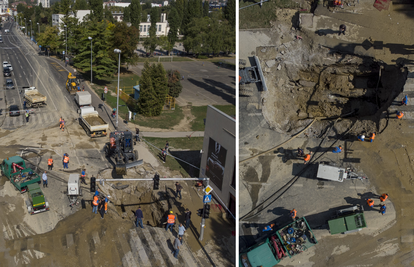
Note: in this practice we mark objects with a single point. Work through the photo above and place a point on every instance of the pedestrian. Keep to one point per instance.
(342, 29)
(177, 245)
(44, 178)
(164, 155)
(404, 101)
(113, 113)
(63, 125)
(97, 192)
(181, 230)
(101, 207)
(95, 203)
(183, 78)
(66, 161)
(83, 175)
(307, 157)
(337, 149)
(50, 163)
(292, 214)
(361, 138)
(301, 154)
(400, 114)
(268, 228)
(27, 116)
(83, 87)
(383, 197)
(178, 189)
(78, 88)
(24, 104)
(372, 137)
(167, 145)
(383, 209)
(137, 134)
(170, 221)
(187, 218)
(370, 202)
(139, 216)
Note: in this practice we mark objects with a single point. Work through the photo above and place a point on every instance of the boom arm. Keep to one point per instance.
(14, 165)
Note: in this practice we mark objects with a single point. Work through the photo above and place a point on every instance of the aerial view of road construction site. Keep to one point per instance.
(326, 133)
(113, 169)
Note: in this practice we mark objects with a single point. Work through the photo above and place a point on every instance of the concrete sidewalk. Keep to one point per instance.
(172, 134)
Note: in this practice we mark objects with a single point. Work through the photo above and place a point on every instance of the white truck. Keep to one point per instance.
(33, 97)
(92, 123)
(83, 98)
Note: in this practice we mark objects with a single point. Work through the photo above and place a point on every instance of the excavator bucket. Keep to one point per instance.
(134, 163)
(120, 169)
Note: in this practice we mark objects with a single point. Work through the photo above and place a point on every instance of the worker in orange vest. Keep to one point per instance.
(65, 161)
(106, 204)
(372, 137)
(50, 163)
(170, 221)
(400, 114)
(370, 202)
(383, 197)
(307, 157)
(95, 203)
(293, 214)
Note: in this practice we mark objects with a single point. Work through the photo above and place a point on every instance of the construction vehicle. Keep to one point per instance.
(37, 201)
(92, 123)
(72, 84)
(348, 220)
(33, 97)
(20, 179)
(288, 241)
(83, 99)
(248, 76)
(337, 174)
(121, 149)
(74, 189)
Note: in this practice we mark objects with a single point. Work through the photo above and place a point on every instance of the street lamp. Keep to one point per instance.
(117, 51)
(90, 38)
(31, 32)
(66, 32)
(38, 26)
(25, 26)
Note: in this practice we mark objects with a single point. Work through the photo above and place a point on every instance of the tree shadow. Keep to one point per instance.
(215, 91)
(324, 32)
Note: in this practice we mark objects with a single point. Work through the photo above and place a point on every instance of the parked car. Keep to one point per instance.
(6, 72)
(9, 84)
(1, 40)
(14, 110)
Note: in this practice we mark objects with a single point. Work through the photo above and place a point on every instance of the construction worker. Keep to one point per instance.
(50, 163)
(337, 149)
(405, 101)
(83, 176)
(95, 203)
(112, 142)
(62, 123)
(65, 161)
(307, 157)
(361, 138)
(370, 202)
(268, 228)
(383, 197)
(400, 114)
(106, 204)
(27, 116)
(300, 152)
(372, 137)
(170, 221)
(383, 209)
(292, 214)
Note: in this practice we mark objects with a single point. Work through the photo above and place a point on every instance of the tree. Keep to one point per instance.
(197, 35)
(148, 103)
(150, 42)
(20, 8)
(108, 16)
(81, 5)
(65, 7)
(126, 39)
(160, 83)
(230, 13)
(50, 37)
(135, 13)
(174, 22)
(179, 6)
(174, 84)
(127, 14)
(96, 10)
(206, 8)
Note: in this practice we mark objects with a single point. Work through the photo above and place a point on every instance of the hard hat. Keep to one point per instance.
(171, 212)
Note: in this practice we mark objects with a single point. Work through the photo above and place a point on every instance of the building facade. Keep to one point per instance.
(218, 161)
(45, 3)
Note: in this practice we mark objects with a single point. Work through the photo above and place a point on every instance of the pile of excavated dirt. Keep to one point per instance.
(94, 121)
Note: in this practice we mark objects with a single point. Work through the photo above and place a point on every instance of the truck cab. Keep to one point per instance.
(14, 168)
(37, 202)
(72, 83)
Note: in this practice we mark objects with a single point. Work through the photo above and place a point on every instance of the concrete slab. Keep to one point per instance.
(306, 20)
(69, 240)
(96, 239)
(137, 249)
(153, 247)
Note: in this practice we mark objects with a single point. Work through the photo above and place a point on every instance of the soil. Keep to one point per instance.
(93, 121)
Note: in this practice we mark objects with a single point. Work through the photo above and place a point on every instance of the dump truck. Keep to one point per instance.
(288, 241)
(348, 220)
(72, 84)
(14, 168)
(92, 123)
(83, 99)
(37, 201)
(33, 97)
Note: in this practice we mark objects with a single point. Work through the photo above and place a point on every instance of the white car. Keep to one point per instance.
(6, 30)
(5, 64)
(9, 66)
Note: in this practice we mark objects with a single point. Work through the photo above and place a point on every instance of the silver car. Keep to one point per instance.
(9, 84)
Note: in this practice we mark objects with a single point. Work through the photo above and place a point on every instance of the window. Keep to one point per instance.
(140, 28)
(159, 28)
(145, 28)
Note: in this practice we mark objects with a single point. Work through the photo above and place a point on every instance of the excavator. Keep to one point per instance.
(121, 149)
(72, 84)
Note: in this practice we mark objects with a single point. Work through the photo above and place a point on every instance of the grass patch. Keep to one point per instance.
(126, 82)
(201, 112)
(260, 17)
(167, 120)
(194, 144)
(111, 101)
(155, 59)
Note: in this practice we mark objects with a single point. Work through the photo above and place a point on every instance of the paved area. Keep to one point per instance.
(204, 83)
(172, 134)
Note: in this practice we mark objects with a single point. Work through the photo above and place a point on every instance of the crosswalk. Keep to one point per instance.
(408, 91)
(37, 120)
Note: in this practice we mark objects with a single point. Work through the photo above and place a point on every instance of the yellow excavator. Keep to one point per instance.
(72, 84)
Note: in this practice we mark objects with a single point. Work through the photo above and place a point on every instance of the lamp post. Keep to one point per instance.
(25, 26)
(117, 51)
(38, 26)
(90, 38)
(31, 32)
(66, 32)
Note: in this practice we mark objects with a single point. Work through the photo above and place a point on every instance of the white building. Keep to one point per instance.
(57, 18)
(4, 5)
(118, 15)
(162, 27)
(156, 5)
(57, 21)
(45, 3)
(80, 14)
(165, 3)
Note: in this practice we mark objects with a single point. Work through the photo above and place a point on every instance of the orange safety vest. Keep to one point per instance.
(372, 136)
(370, 202)
(95, 201)
(400, 115)
(60, 120)
(66, 159)
(383, 197)
(171, 219)
(106, 205)
(50, 162)
(307, 157)
(293, 213)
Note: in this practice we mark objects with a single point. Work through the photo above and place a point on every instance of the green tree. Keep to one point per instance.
(127, 14)
(148, 103)
(160, 83)
(230, 13)
(20, 8)
(135, 13)
(151, 42)
(179, 6)
(197, 35)
(50, 38)
(229, 37)
(174, 84)
(108, 16)
(65, 7)
(96, 10)
(206, 8)
(81, 5)
(126, 39)
(174, 22)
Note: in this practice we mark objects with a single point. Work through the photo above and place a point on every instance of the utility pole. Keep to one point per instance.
(203, 220)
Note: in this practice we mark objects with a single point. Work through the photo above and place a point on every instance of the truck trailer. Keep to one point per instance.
(33, 97)
(92, 123)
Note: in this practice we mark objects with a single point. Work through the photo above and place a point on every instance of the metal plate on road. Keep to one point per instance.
(106, 89)
(206, 199)
(208, 189)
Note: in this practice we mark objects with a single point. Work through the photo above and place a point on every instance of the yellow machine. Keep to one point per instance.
(72, 84)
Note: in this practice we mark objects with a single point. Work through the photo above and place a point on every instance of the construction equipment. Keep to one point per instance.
(83, 99)
(121, 149)
(92, 123)
(337, 174)
(37, 201)
(348, 220)
(72, 84)
(33, 97)
(20, 179)
(74, 189)
(250, 75)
